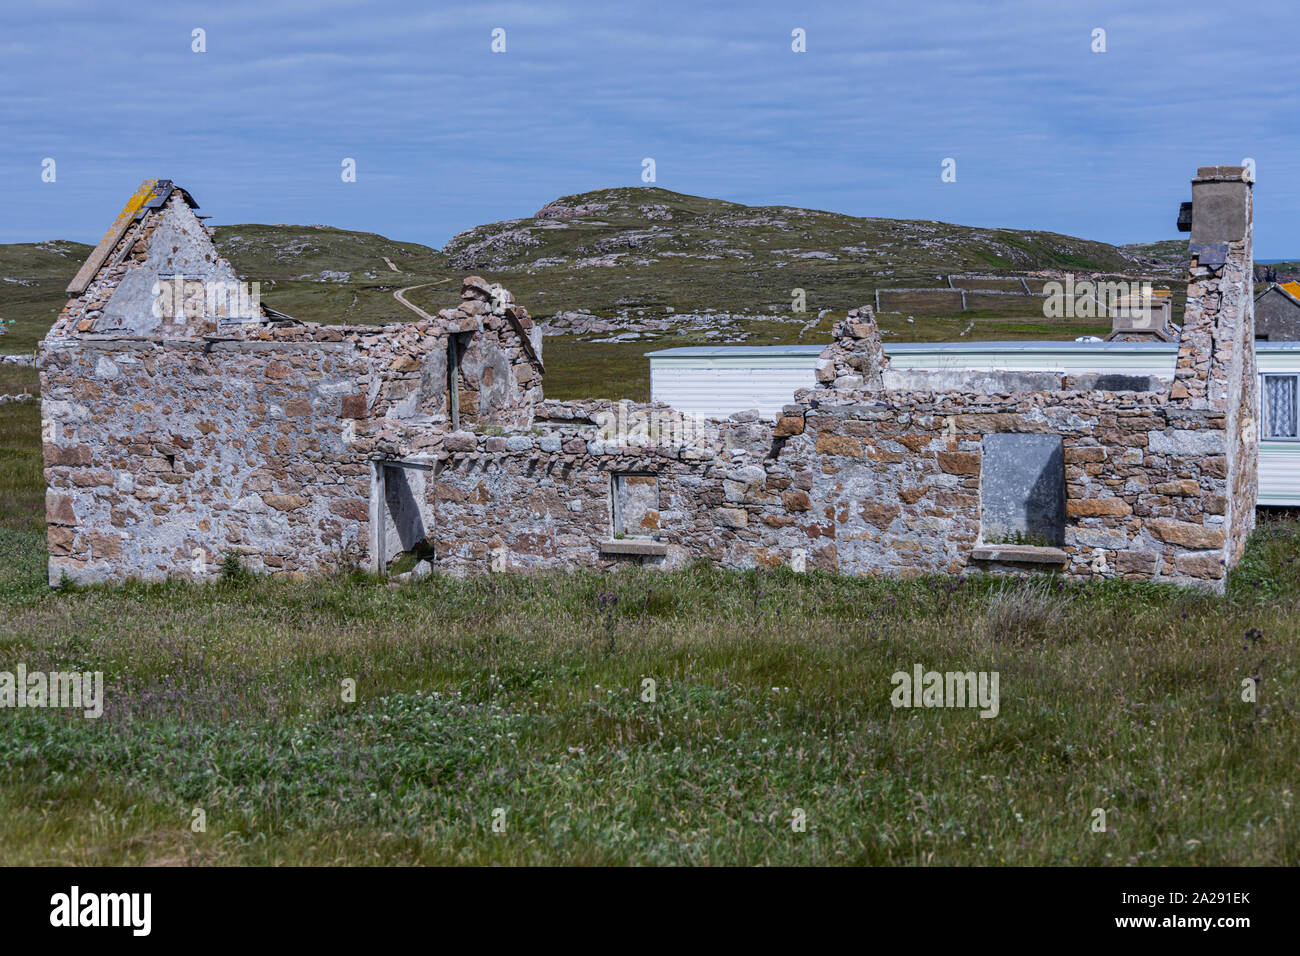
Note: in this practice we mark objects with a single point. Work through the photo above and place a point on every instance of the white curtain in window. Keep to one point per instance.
(1280, 405)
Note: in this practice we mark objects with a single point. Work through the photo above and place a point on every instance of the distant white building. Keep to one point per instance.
(716, 381)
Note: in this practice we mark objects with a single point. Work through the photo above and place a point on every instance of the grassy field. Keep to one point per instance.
(22, 483)
(518, 700)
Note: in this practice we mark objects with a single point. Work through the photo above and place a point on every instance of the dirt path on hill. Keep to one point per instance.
(400, 296)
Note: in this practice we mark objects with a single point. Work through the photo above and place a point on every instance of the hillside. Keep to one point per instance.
(323, 274)
(33, 277)
(612, 250)
(1165, 254)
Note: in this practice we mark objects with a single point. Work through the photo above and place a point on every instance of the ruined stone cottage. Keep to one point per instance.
(182, 425)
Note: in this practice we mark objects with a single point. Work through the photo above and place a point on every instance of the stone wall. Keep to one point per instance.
(857, 485)
(164, 453)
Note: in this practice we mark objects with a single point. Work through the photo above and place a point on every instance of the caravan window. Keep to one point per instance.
(1279, 394)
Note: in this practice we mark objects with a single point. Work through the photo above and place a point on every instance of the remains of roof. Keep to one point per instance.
(152, 194)
(275, 316)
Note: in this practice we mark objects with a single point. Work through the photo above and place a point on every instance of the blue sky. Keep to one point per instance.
(447, 134)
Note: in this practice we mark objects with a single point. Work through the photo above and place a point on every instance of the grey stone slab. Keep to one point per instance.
(1219, 211)
(1019, 554)
(1022, 489)
(1186, 441)
(637, 546)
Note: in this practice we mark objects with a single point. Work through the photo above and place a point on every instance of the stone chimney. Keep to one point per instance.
(1216, 351)
(1217, 346)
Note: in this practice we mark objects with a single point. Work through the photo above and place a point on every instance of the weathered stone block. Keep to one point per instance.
(733, 517)
(959, 462)
(352, 406)
(878, 513)
(787, 426)
(1079, 455)
(838, 445)
(104, 546)
(1096, 507)
(61, 540)
(1135, 562)
(1187, 442)
(1215, 467)
(463, 441)
(1185, 534)
(1206, 566)
(354, 509)
(59, 510)
(286, 502)
(67, 455)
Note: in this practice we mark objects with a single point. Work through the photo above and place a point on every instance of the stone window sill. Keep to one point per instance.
(1018, 554)
(645, 547)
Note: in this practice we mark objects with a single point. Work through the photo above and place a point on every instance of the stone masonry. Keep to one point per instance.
(172, 441)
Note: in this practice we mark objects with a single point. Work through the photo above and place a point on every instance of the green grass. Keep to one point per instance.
(22, 481)
(523, 693)
(33, 280)
(577, 369)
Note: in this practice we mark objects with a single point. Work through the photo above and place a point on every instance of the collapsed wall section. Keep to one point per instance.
(845, 483)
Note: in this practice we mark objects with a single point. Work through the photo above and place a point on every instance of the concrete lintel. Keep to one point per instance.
(1018, 554)
(94, 342)
(1223, 174)
(644, 547)
(146, 343)
(405, 463)
(978, 381)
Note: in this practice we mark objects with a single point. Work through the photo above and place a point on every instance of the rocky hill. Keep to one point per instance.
(617, 268)
(613, 250)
